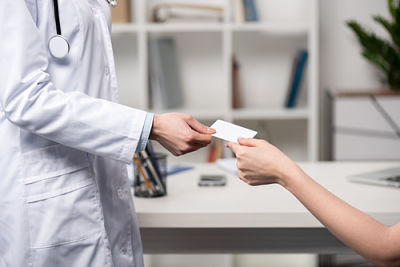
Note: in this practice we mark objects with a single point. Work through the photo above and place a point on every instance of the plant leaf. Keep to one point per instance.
(392, 29)
(392, 9)
(379, 52)
(378, 60)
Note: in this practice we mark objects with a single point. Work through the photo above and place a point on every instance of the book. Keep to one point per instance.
(297, 78)
(238, 9)
(250, 10)
(236, 89)
(216, 151)
(184, 12)
(121, 13)
(165, 81)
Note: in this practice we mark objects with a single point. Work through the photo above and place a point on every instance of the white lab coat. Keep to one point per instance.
(64, 193)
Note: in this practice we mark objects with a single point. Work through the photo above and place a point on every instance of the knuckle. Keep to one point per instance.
(240, 154)
(186, 148)
(187, 116)
(239, 164)
(190, 137)
(252, 183)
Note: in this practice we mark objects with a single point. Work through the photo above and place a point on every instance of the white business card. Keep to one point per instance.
(231, 132)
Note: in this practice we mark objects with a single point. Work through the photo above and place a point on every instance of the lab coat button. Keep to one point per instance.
(124, 251)
(107, 70)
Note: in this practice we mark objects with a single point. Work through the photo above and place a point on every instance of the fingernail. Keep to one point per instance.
(210, 130)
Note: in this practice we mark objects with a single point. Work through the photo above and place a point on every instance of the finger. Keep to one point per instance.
(233, 146)
(199, 127)
(199, 145)
(201, 139)
(248, 142)
(241, 177)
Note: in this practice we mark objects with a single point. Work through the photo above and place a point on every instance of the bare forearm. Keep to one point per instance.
(353, 227)
(261, 163)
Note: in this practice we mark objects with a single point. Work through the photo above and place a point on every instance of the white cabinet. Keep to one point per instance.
(366, 126)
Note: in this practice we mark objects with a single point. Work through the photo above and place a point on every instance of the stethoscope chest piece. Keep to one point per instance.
(59, 46)
(112, 3)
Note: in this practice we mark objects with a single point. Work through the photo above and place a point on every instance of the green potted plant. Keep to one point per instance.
(385, 54)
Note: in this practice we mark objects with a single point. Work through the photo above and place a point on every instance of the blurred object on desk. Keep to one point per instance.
(216, 151)
(177, 168)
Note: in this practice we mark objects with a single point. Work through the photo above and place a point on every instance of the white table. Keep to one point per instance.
(239, 218)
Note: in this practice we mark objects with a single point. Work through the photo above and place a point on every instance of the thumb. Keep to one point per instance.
(233, 146)
(247, 142)
(198, 127)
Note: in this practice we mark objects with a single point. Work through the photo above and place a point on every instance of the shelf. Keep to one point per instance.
(269, 28)
(272, 114)
(187, 27)
(264, 50)
(124, 28)
(272, 28)
(197, 114)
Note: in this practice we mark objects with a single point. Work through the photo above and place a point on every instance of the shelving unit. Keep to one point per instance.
(265, 51)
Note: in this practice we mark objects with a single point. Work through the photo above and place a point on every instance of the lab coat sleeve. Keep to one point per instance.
(30, 100)
(144, 138)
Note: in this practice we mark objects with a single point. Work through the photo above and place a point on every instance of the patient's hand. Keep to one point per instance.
(180, 133)
(261, 163)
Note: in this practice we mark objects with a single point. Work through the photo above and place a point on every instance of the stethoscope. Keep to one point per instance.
(58, 45)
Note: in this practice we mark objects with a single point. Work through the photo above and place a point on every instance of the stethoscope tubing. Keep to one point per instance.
(57, 17)
(58, 45)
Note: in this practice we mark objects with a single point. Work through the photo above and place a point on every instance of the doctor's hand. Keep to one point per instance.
(180, 133)
(260, 163)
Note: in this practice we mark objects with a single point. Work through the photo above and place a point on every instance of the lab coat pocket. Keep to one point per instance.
(60, 197)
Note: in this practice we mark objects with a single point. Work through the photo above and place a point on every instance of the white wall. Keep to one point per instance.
(341, 65)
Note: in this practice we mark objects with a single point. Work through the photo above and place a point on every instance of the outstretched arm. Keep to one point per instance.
(261, 163)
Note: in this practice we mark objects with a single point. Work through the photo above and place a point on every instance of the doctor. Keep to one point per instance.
(65, 198)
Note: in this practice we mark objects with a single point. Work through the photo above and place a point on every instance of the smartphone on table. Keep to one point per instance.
(212, 180)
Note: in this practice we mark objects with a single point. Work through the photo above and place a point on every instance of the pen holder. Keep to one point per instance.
(150, 175)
